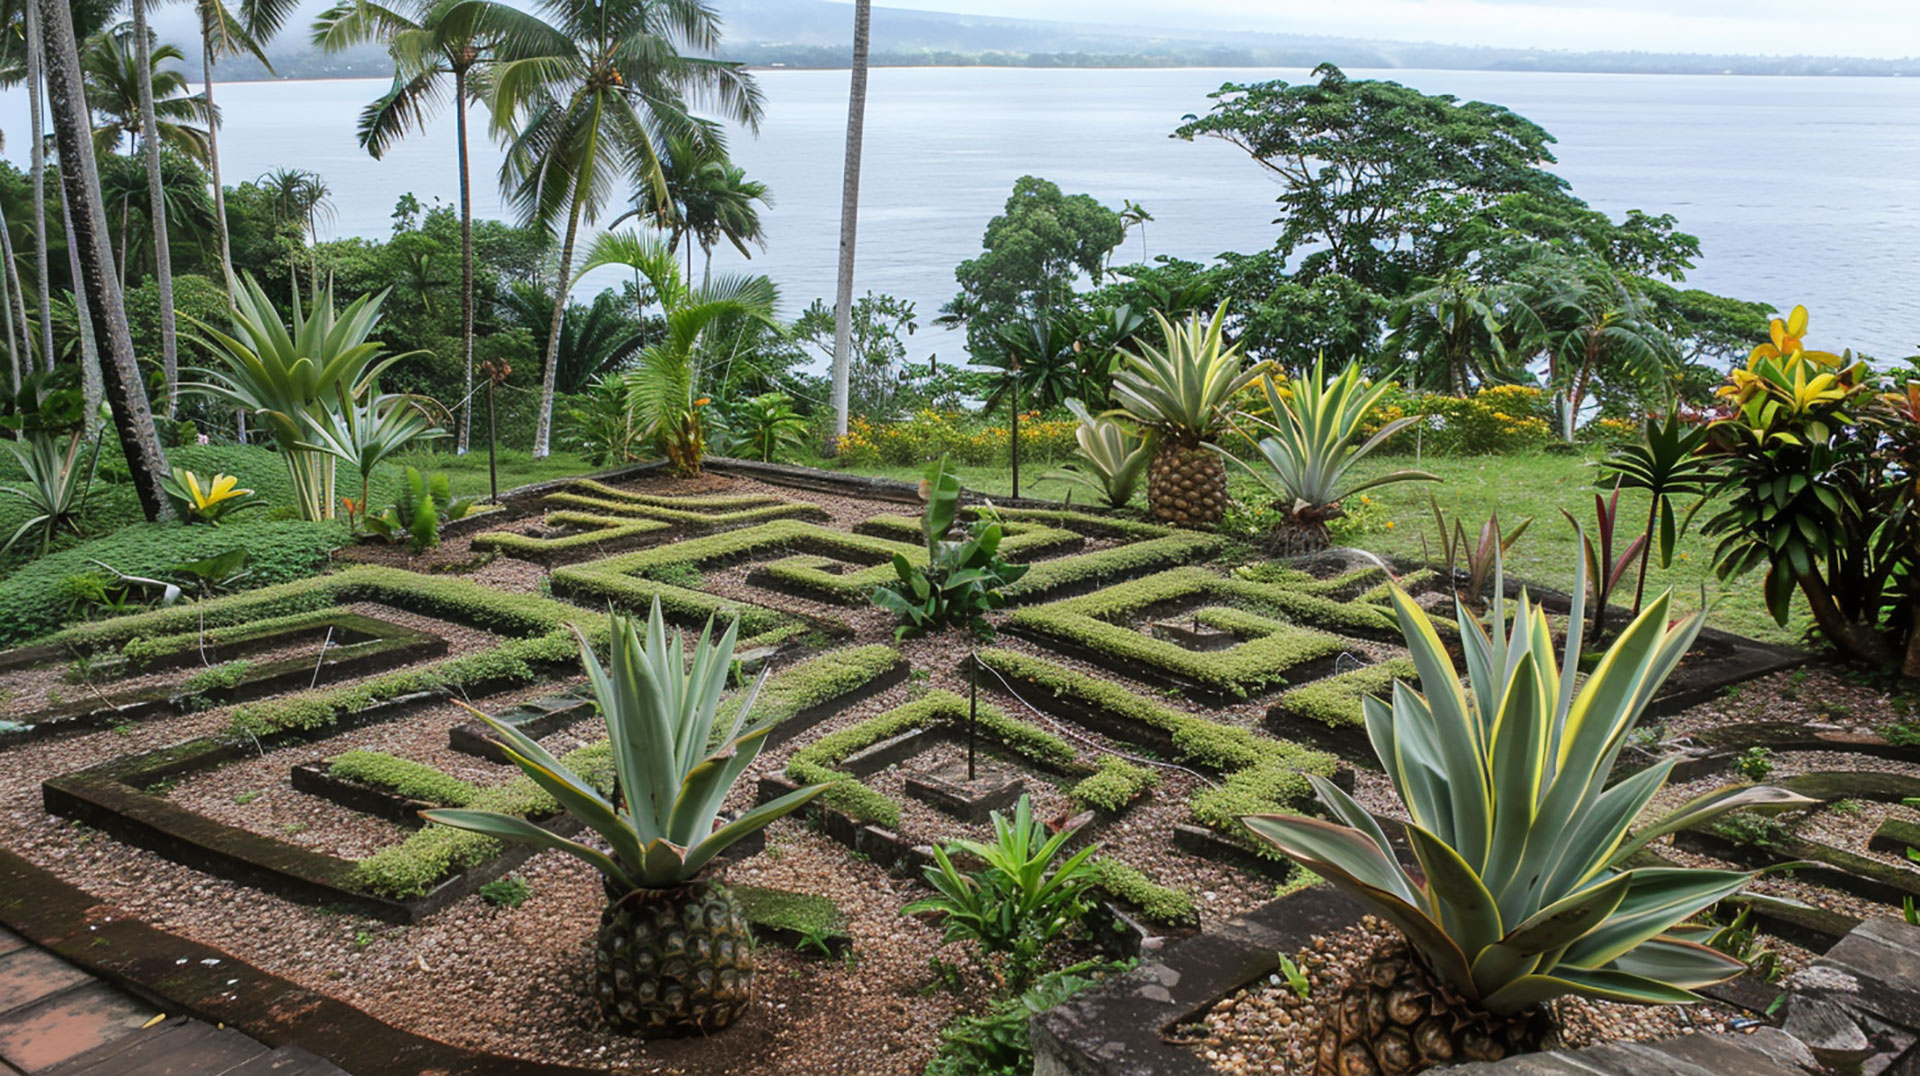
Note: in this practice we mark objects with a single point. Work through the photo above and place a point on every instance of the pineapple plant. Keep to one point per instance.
(1530, 890)
(1181, 394)
(674, 954)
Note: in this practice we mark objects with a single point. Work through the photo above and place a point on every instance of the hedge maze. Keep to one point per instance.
(1140, 682)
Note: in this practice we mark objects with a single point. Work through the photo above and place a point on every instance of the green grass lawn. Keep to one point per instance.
(1474, 487)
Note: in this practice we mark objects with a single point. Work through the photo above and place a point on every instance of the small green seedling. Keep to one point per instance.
(1297, 979)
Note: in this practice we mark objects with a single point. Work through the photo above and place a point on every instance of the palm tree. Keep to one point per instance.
(300, 196)
(157, 200)
(112, 65)
(80, 182)
(1452, 328)
(124, 188)
(14, 301)
(595, 339)
(224, 34)
(850, 214)
(591, 90)
(665, 390)
(709, 198)
(429, 50)
(37, 164)
(1591, 322)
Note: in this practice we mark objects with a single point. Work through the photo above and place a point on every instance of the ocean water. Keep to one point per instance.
(1802, 190)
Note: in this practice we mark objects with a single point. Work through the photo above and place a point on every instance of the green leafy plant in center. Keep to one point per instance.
(963, 577)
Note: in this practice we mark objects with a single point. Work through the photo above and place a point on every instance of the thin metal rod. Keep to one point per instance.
(973, 708)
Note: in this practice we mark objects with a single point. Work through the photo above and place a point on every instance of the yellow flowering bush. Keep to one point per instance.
(1497, 419)
(928, 435)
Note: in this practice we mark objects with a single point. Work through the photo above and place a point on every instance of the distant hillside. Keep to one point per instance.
(815, 33)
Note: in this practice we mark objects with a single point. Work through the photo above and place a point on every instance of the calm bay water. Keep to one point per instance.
(1802, 190)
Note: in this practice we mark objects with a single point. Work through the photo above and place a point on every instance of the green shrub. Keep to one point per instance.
(402, 777)
(1156, 903)
(33, 602)
(1335, 701)
(1117, 784)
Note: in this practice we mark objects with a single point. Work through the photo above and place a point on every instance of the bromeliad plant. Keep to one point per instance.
(1313, 444)
(1529, 891)
(55, 490)
(296, 382)
(1021, 902)
(1477, 560)
(961, 581)
(210, 504)
(1112, 457)
(674, 953)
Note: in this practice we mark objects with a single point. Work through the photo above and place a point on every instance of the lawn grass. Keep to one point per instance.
(1517, 486)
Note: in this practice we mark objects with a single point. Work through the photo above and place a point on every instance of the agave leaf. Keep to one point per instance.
(1658, 899)
(750, 822)
(579, 800)
(507, 827)
(1591, 847)
(1708, 806)
(1601, 985)
(1686, 964)
(1457, 898)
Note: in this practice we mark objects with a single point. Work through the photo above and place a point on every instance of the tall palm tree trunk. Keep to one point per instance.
(466, 258)
(213, 150)
(80, 183)
(90, 385)
(16, 304)
(850, 216)
(543, 427)
(37, 156)
(156, 195)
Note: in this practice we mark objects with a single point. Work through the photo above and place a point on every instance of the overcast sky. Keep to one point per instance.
(1885, 28)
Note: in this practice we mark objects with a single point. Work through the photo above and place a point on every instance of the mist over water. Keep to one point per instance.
(1802, 190)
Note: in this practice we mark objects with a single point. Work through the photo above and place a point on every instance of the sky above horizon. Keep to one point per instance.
(1880, 28)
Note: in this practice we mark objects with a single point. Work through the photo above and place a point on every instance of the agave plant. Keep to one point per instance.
(1181, 392)
(56, 485)
(674, 953)
(366, 432)
(1112, 457)
(296, 381)
(1529, 892)
(1314, 443)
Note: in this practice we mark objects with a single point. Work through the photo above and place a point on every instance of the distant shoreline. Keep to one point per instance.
(353, 76)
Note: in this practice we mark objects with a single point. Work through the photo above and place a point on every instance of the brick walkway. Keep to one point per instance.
(56, 1020)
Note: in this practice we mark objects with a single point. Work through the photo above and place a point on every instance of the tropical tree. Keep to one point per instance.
(225, 33)
(596, 339)
(664, 391)
(709, 198)
(112, 66)
(1594, 324)
(850, 214)
(300, 197)
(88, 243)
(126, 192)
(591, 91)
(436, 59)
(1451, 330)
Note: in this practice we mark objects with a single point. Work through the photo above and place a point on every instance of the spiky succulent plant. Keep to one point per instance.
(1529, 891)
(663, 719)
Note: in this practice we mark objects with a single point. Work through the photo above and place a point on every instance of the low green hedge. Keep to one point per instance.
(815, 763)
(1117, 784)
(1261, 775)
(1156, 903)
(1118, 562)
(718, 502)
(1336, 701)
(402, 777)
(621, 579)
(808, 572)
(821, 679)
(140, 651)
(35, 599)
(686, 516)
(1268, 649)
(599, 530)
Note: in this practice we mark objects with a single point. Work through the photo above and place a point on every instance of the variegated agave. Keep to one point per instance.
(1529, 890)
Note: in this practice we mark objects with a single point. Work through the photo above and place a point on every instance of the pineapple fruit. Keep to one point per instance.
(1182, 392)
(673, 955)
(1526, 891)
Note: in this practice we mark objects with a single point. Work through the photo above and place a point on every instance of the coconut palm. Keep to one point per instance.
(112, 65)
(299, 196)
(709, 199)
(850, 214)
(88, 243)
(435, 59)
(596, 339)
(591, 90)
(225, 33)
(664, 391)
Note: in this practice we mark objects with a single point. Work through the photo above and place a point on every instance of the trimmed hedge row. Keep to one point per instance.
(1262, 775)
(718, 502)
(1118, 562)
(144, 650)
(687, 517)
(1268, 650)
(818, 680)
(808, 574)
(1117, 784)
(402, 777)
(1155, 902)
(620, 580)
(1336, 701)
(599, 530)
(815, 763)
